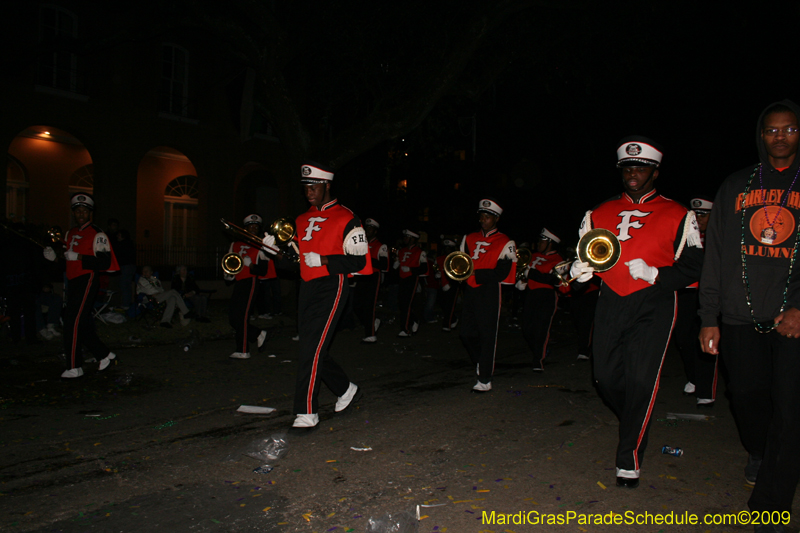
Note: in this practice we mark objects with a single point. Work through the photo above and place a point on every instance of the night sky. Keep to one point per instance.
(692, 76)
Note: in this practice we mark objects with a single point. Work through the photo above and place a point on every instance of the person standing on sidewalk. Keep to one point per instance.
(88, 253)
(750, 306)
(660, 252)
(332, 246)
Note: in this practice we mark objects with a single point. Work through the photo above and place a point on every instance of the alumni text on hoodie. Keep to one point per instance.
(722, 289)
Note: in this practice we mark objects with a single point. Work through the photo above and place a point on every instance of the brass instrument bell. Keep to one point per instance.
(232, 264)
(600, 248)
(283, 230)
(524, 258)
(458, 266)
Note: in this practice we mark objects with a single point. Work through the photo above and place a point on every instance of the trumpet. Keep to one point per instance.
(458, 266)
(598, 247)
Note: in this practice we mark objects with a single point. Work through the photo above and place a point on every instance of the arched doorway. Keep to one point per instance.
(44, 165)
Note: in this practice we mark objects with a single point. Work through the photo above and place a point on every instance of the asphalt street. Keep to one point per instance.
(155, 443)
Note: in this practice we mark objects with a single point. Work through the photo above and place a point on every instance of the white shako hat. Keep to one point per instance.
(701, 206)
(252, 219)
(547, 234)
(449, 242)
(311, 172)
(409, 233)
(637, 151)
(490, 205)
(372, 222)
(81, 199)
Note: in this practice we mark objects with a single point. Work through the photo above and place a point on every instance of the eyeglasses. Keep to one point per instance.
(791, 130)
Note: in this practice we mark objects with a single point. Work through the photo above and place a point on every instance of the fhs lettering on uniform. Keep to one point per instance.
(538, 261)
(243, 250)
(312, 227)
(767, 197)
(626, 223)
(73, 242)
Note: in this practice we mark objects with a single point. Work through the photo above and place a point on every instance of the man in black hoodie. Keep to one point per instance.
(750, 306)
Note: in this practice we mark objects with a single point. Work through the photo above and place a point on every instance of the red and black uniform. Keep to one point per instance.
(634, 319)
(366, 290)
(245, 290)
(413, 264)
(334, 231)
(582, 306)
(83, 283)
(447, 295)
(541, 302)
(493, 256)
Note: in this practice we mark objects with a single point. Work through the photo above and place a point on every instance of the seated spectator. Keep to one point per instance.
(48, 312)
(187, 287)
(151, 286)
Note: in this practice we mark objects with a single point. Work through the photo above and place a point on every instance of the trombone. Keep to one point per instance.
(282, 229)
(598, 247)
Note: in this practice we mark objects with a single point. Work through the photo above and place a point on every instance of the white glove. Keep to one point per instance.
(582, 272)
(396, 264)
(640, 270)
(405, 269)
(49, 254)
(446, 288)
(438, 275)
(247, 261)
(229, 277)
(269, 244)
(70, 255)
(313, 259)
(521, 285)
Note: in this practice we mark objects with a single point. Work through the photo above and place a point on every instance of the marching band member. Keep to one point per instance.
(493, 256)
(88, 253)
(332, 246)
(541, 296)
(245, 290)
(660, 253)
(367, 287)
(411, 264)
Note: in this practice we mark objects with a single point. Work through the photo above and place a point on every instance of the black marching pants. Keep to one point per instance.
(79, 327)
(320, 306)
(406, 290)
(701, 368)
(447, 299)
(480, 315)
(365, 300)
(582, 309)
(242, 300)
(763, 372)
(630, 340)
(537, 317)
